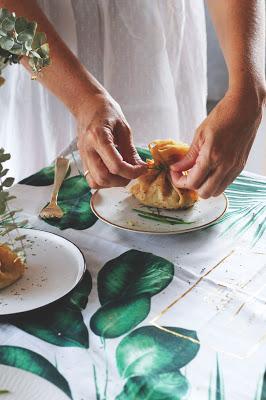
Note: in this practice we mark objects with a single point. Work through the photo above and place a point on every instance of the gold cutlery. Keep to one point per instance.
(52, 210)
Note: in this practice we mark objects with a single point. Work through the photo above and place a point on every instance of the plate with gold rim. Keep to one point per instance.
(117, 207)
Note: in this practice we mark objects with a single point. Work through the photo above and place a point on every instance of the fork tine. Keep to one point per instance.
(51, 211)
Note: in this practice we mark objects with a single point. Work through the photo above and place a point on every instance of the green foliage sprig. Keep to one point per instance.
(18, 38)
(8, 221)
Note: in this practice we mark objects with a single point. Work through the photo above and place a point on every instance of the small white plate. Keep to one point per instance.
(115, 207)
(54, 268)
(23, 385)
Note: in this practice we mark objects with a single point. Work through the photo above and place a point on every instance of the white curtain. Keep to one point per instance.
(150, 55)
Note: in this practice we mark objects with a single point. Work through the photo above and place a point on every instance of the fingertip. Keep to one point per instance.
(180, 166)
(176, 178)
(175, 167)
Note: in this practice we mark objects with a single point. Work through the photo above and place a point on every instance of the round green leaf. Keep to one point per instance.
(25, 36)
(116, 318)
(165, 386)
(33, 362)
(8, 182)
(21, 24)
(6, 43)
(132, 274)
(151, 349)
(39, 39)
(8, 23)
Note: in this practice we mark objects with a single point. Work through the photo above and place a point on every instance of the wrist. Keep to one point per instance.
(86, 100)
(251, 88)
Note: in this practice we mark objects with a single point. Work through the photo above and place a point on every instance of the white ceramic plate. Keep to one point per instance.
(54, 268)
(23, 385)
(115, 207)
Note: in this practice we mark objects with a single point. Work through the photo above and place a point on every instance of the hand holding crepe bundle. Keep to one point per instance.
(155, 188)
(11, 267)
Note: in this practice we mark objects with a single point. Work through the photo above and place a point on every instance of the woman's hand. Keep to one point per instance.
(221, 144)
(105, 143)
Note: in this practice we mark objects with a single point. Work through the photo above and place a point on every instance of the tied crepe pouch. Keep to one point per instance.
(155, 188)
(11, 267)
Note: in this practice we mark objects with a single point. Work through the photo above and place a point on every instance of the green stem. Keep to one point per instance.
(164, 219)
(98, 397)
(106, 370)
(158, 215)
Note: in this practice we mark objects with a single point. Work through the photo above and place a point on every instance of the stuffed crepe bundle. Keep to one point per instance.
(155, 188)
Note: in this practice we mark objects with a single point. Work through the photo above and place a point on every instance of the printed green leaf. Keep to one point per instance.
(149, 350)
(164, 386)
(247, 209)
(35, 363)
(116, 318)
(44, 177)
(61, 323)
(219, 383)
(263, 390)
(74, 199)
(78, 297)
(216, 386)
(144, 153)
(133, 273)
(125, 286)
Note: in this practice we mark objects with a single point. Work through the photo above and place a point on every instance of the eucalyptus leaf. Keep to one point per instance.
(4, 13)
(3, 172)
(6, 43)
(8, 182)
(8, 23)
(39, 39)
(21, 24)
(4, 157)
(17, 36)
(8, 223)
(25, 36)
(17, 49)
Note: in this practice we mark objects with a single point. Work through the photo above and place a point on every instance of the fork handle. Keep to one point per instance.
(61, 167)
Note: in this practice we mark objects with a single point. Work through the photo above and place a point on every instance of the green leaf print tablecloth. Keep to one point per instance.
(154, 318)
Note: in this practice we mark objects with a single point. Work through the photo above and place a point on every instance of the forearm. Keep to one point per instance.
(240, 26)
(66, 78)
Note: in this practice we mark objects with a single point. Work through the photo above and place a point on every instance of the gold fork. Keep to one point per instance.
(52, 210)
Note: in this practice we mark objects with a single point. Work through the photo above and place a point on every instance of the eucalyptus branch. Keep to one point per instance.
(8, 220)
(18, 38)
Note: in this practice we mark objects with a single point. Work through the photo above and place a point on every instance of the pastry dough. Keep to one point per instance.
(11, 267)
(155, 188)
